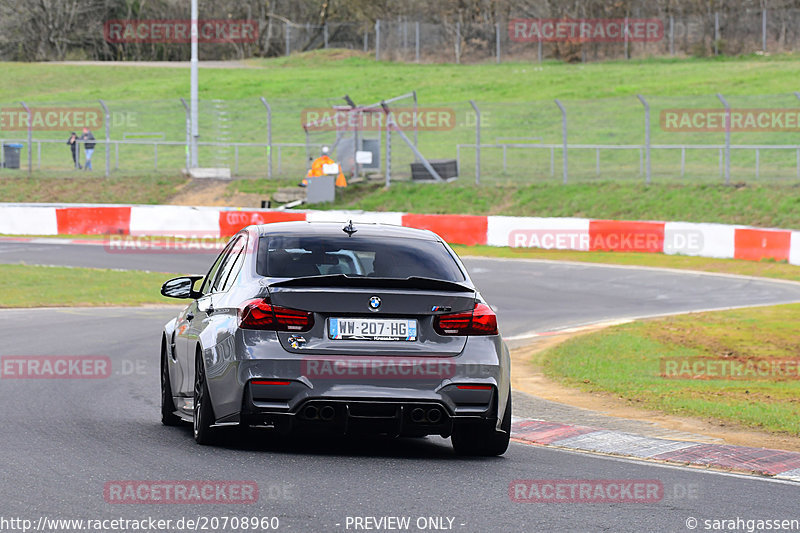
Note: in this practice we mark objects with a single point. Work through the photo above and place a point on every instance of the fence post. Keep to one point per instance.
(646, 135)
(727, 138)
(269, 136)
(477, 142)
(539, 51)
(416, 118)
(288, 35)
(325, 34)
(458, 42)
(378, 40)
(417, 41)
(764, 30)
(366, 41)
(564, 136)
(626, 37)
(497, 41)
(388, 151)
(671, 35)
(188, 132)
(30, 136)
(108, 136)
(716, 33)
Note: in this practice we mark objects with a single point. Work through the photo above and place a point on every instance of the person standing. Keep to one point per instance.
(88, 145)
(73, 146)
(318, 169)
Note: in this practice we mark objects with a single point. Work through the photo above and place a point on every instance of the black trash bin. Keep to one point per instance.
(11, 152)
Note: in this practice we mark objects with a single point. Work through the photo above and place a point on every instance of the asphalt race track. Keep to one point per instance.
(63, 440)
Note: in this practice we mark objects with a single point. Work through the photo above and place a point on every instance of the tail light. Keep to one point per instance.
(260, 314)
(481, 321)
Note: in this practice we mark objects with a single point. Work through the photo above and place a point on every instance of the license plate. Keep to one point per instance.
(372, 329)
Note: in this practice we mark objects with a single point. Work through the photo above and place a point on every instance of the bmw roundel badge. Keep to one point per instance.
(374, 303)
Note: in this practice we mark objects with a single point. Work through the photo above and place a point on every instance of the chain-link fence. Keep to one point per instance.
(646, 138)
(543, 36)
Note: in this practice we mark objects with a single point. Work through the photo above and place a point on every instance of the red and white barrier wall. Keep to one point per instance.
(706, 240)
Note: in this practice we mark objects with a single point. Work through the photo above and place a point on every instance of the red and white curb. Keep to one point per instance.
(779, 464)
(704, 240)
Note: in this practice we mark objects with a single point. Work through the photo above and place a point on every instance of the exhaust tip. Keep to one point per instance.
(434, 415)
(311, 412)
(327, 413)
(417, 415)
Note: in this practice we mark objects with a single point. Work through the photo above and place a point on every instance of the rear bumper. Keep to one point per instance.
(262, 384)
(370, 409)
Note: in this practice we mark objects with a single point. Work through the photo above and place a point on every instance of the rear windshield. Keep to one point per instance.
(303, 256)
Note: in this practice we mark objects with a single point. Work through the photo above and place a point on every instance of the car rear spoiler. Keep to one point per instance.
(341, 280)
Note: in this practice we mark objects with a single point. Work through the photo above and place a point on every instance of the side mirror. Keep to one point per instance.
(182, 287)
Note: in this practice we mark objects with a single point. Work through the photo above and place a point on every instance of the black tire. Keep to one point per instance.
(484, 440)
(168, 416)
(203, 411)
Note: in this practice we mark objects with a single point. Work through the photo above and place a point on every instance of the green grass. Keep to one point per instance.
(773, 205)
(91, 189)
(46, 286)
(516, 101)
(627, 360)
(335, 73)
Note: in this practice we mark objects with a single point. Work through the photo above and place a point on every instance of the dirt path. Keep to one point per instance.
(214, 192)
(527, 377)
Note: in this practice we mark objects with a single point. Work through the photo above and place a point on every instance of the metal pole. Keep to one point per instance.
(288, 37)
(597, 161)
(325, 34)
(646, 135)
(108, 137)
(727, 138)
(671, 35)
(417, 41)
(188, 133)
(269, 136)
(30, 136)
(539, 52)
(764, 30)
(626, 38)
(683, 161)
(757, 163)
(497, 41)
(564, 136)
(716, 33)
(416, 119)
(458, 42)
(194, 103)
(378, 40)
(477, 142)
(366, 41)
(388, 151)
